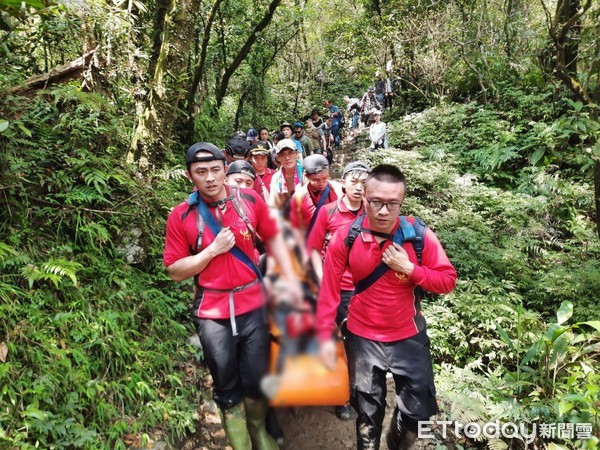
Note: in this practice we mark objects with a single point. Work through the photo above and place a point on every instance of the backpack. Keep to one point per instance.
(342, 120)
(413, 233)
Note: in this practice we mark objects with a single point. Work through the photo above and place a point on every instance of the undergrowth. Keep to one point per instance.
(519, 338)
(93, 349)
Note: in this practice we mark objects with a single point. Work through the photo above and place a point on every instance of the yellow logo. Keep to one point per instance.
(402, 278)
(245, 234)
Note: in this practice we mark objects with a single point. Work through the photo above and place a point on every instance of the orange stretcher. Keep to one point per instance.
(305, 381)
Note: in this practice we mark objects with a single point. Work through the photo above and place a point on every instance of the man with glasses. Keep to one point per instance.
(386, 330)
(303, 139)
(331, 218)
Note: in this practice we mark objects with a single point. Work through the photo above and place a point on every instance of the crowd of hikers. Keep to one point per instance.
(273, 243)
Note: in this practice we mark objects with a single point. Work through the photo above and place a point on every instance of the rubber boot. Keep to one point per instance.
(256, 410)
(399, 437)
(234, 424)
(366, 437)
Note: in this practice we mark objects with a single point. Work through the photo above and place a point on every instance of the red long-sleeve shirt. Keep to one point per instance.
(387, 310)
(224, 271)
(331, 218)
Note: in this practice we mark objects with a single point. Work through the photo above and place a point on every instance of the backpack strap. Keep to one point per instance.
(406, 232)
(196, 200)
(322, 199)
(354, 231)
(238, 205)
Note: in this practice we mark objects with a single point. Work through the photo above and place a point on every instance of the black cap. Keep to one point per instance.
(314, 164)
(241, 167)
(258, 149)
(285, 125)
(237, 147)
(355, 166)
(190, 154)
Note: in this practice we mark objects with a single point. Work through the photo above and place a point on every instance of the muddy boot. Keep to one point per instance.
(366, 437)
(399, 437)
(256, 410)
(343, 412)
(234, 424)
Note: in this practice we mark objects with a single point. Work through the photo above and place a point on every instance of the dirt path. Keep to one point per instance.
(305, 428)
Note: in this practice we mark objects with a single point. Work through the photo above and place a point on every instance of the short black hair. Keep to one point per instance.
(279, 136)
(387, 173)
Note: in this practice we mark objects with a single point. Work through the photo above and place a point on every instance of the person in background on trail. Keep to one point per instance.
(278, 136)
(313, 133)
(258, 156)
(330, 218)
(335, 113)
(303, 139)
(252, 136)
(265, 139)
(389, 93)
(353, 109)
(286, 129)
(377, 132)
(289, 177)
(209, 237)
(240, 173)
(326, 135)
(380, 88)
(315, 115)
(288, 132)
(236, 149)
(368, 104)
(386, 330)
(238, 134)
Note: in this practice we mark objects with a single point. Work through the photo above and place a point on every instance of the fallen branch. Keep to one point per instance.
(61, 74)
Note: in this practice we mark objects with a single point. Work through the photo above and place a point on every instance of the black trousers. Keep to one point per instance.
(409, 361)
(237, 364)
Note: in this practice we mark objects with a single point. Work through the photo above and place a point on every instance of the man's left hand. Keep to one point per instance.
(397, 259)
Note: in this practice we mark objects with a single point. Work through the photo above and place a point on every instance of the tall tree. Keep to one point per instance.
(175, 25)
(223, 84)
(565, 30)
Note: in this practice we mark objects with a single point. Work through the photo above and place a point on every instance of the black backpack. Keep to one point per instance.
(342, 120)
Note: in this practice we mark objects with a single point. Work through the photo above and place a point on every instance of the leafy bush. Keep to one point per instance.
(92, 346)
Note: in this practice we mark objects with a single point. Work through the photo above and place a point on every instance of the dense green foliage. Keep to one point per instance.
(92, 333)
(519, 338)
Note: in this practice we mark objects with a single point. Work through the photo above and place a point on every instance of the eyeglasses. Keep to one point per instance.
(392, 207)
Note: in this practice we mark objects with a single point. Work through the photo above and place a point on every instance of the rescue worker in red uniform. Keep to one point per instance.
(386, 330)
(210, 237)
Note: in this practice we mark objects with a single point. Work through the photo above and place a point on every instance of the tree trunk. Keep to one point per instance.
(153, 134)
(565, 30)
(199, 72)
(569, 40)
(224, 84)
(597, 194)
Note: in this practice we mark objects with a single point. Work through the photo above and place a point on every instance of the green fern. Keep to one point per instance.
(54, 270)
(6, 251)
(497, 444)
